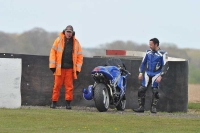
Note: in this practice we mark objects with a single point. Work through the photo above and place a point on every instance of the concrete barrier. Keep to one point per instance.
(37, 83)
(10, 81)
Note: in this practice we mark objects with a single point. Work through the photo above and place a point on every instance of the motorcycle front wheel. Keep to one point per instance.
(101, 97)
(122, 104)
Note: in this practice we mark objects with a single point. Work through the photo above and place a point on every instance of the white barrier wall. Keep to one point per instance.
(142, 54)
(10, 82)
(127, 53)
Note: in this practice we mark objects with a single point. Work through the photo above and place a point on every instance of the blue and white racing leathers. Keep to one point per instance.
(157, 65)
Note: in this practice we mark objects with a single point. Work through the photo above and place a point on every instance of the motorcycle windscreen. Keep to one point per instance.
(114, 62)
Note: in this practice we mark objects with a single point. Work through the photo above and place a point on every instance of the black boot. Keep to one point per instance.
(140, 109)
(68, 104)
(153, 105)
(141, 102)
(153, 109)
(53, 105)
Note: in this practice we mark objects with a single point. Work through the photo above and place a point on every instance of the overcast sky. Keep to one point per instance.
(103, 21)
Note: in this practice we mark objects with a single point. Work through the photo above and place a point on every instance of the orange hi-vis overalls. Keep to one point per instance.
(64, 76)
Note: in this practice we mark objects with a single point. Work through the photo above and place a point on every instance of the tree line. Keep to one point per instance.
(37, 41)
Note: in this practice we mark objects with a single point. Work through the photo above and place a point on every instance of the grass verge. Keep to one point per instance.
(47, 120)
(194, 106)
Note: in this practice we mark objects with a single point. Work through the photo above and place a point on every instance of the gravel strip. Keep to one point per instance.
(192, 113)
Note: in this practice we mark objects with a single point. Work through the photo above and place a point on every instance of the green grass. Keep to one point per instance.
(194, 106)
(45, 120)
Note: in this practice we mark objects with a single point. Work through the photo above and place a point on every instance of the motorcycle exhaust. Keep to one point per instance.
(96, 74)
(101, 75)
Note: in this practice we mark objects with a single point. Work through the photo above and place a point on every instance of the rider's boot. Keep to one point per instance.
(141, 102)
(153, 105)
(155, 98)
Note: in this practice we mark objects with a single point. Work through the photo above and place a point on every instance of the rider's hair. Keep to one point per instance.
(155, 41)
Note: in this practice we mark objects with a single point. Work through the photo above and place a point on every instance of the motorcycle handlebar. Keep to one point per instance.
(127, 72)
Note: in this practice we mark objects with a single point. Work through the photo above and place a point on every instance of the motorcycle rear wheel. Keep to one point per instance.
(101, 97)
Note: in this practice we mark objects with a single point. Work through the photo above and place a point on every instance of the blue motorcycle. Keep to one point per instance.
(109, 85)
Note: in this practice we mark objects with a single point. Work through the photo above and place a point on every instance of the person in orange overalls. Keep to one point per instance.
(65, 62)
